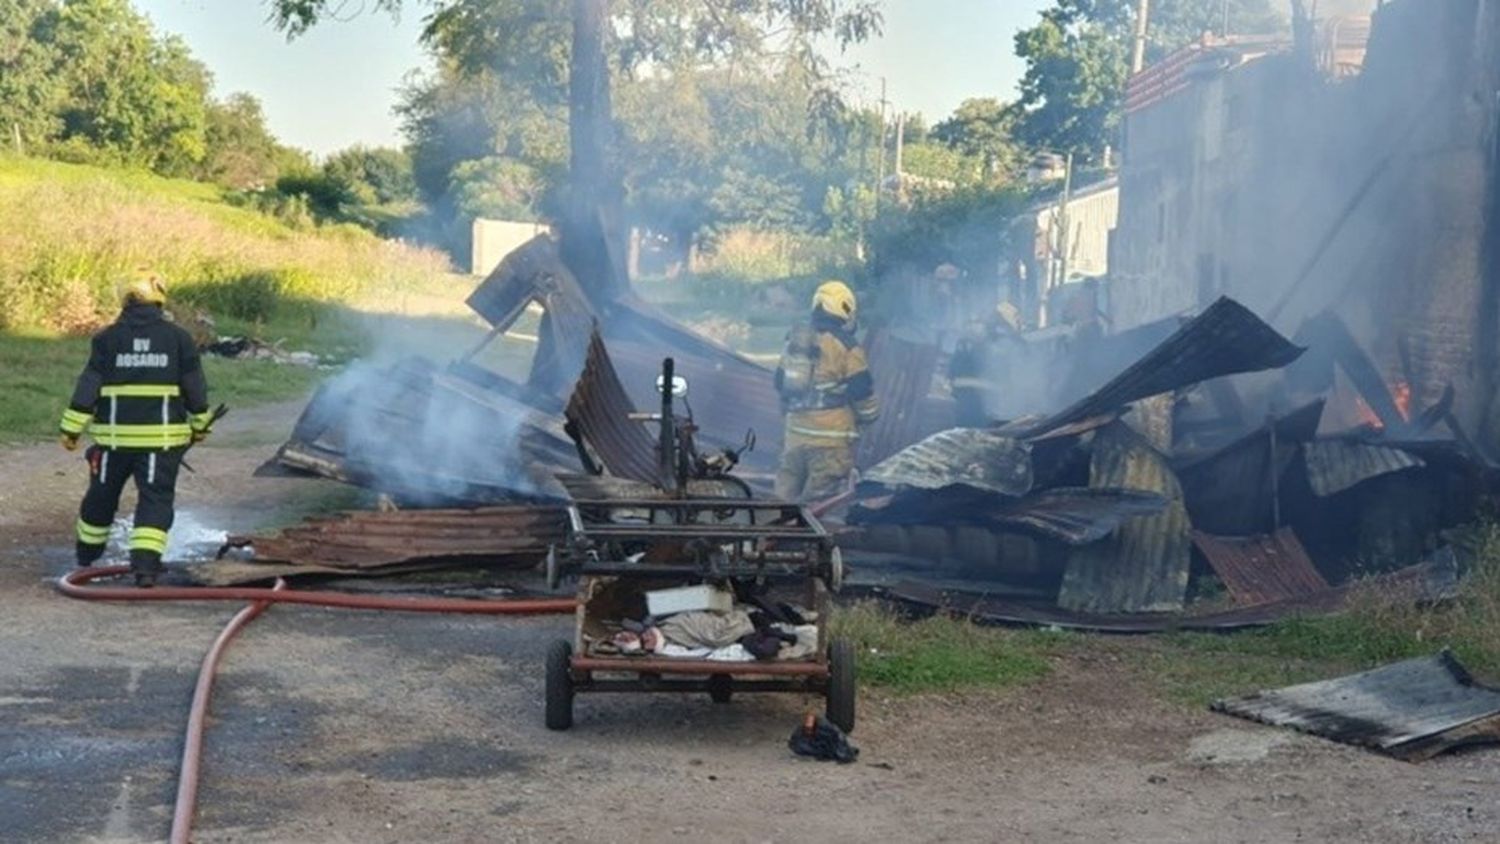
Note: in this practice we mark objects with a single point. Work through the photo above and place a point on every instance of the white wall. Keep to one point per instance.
(494, 239)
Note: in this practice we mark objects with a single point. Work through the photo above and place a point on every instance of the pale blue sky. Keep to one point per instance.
(336, 85)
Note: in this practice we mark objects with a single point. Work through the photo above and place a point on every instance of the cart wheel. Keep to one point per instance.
(720, 688)
(841, 684)
(559, 686)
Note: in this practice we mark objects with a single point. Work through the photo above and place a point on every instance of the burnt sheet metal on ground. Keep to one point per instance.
(1225, 339)
(1413, 710)
(1230, 492)
(1143, 565)
(600, 412)
(428, 437)
(511, 536)
(1259, 569)
(971, 457)
(1334, 465)
(903, 373)
(1424, 583)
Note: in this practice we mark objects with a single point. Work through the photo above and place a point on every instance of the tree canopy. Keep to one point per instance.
(1077, 60)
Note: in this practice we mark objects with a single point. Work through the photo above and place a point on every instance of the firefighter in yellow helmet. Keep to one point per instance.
(828, 396)
(142, 399)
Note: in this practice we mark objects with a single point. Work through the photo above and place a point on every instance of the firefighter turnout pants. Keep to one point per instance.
(814, 472)
(155, 475)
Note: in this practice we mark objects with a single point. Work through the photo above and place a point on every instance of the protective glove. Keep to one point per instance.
(199, 436)
(69, 441)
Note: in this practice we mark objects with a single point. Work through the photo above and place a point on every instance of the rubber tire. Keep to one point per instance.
(841, 684)
(720, 688)
(560, 685)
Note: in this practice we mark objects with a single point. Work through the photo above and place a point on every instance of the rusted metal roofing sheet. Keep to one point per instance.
(1176, 72)
(903, 373)
(1258, 569)
(971, 457)
(1229, 492)
(371, 540)
(1413, 710)
(1423, 583)
(1223, 340)
(600, 412)
(1143, 565)
(1335, 465)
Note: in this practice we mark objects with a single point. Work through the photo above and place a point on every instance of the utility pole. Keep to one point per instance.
(1138, 53)
(900, 145)
(15, 133)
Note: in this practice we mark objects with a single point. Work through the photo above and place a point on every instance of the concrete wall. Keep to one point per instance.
(494, 239)
(1296, 193)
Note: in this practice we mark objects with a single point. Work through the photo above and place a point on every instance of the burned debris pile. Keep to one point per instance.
(1159, 485)
(1208, 457)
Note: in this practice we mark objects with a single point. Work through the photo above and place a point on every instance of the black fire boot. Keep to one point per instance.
(145, 566)
(86, 554)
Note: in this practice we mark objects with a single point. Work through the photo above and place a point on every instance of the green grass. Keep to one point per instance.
(1378, 628)
(942, 654)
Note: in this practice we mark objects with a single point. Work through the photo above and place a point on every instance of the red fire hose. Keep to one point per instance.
(72, 585)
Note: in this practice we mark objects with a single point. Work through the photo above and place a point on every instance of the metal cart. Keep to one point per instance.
(621, 548)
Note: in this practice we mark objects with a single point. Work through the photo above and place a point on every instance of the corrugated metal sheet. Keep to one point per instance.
(970, 457)
(428, 437)
(1078, 516)
(1414, 709)
(1229, 492)
(1335, 465)
(600, 412)
(1073, 516)
(1142, 566)
(1259, 569)
(1424, 583)
(516, 536)
(903, 373)
(1178, 70)
(1224, 340)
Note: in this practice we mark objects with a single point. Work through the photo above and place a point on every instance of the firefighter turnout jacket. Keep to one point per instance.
(825, 385)
(143, 387)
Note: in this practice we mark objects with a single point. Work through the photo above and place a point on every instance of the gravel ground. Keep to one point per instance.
(344, 726)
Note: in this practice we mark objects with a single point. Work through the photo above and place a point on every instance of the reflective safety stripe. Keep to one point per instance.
(823, 432)
(151, 469)
(74, 421)
(142, 436)
(148, 539)
(92, 534)
(104, 467)
(142, 391)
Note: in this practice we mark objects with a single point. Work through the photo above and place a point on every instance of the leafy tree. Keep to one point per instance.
(31, 92)
(983, 129)
(242, 153)
(1077, 60)
(523, 48)
(379, 174)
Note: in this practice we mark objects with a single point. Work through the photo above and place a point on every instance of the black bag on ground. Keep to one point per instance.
(821, 740)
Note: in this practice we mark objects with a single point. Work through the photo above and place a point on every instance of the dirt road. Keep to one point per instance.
(340, 726)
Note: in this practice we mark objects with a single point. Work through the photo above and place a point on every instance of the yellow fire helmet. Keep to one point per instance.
(145, 287)
(836, 299)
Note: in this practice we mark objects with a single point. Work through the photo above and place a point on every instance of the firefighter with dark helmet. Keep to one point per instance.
(828, 396)
(142, 399)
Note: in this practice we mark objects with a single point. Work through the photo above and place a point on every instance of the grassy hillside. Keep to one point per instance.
(68, 233)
